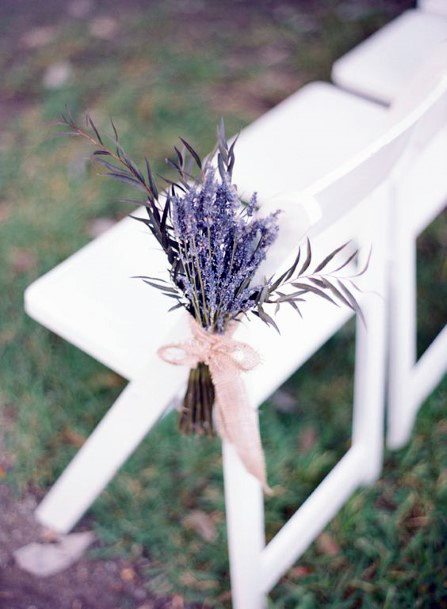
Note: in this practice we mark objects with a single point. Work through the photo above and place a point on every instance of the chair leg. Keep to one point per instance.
(370, 367)
(245, 531)
(369, 393)
(402, 329)
(124, 426)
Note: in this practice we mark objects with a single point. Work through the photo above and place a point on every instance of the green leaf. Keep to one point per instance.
(336, 293)
(193, 153)
(328, 258)
(150, 178)
(365, 266)
(353, 302)
(267, 319)
(92, 125)
(308, 259)
(176, 306)
(315, 290)
(346, 262)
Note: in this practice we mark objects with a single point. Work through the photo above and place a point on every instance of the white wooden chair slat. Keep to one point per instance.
(245, 531)
(429, 370)
(137, 409)
(91, 300)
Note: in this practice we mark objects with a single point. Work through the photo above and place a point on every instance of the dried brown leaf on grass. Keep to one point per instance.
(202, 524)
(73, 437)
(307, 439)
(327, 545)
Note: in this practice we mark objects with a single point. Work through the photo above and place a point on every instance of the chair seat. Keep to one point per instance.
(90, 300)
(381, 66)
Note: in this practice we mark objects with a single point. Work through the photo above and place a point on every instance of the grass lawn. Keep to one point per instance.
(163, 70)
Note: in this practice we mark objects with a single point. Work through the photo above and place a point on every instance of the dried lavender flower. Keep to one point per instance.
(213, 240)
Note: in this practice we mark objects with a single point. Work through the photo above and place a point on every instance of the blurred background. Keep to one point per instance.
(161, 70)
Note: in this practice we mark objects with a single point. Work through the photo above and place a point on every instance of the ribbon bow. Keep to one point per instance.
(236, 420)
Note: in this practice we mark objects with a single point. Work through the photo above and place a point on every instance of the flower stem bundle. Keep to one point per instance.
(196, 416)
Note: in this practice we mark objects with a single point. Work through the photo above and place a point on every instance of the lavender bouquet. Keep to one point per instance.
(214, 244)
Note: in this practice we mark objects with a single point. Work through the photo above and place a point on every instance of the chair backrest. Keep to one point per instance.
(436, 7)
(342, 189)
(334, 195)
(423, 82)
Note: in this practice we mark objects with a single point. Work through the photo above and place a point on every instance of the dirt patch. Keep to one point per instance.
(88, 584)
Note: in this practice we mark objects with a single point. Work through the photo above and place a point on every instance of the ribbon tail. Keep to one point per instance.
(238, 422)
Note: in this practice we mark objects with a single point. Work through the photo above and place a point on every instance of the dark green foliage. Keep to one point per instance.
(328, 285)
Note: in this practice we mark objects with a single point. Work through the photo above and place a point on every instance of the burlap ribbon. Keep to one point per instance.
(236, 420)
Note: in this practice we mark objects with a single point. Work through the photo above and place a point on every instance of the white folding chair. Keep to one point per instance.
(255, 570)
(90, 300)
(86, 299)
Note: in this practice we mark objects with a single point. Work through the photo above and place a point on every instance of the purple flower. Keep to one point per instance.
(222, 242)
(214, 242)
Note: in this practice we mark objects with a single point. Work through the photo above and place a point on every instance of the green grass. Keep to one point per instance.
(170, 73)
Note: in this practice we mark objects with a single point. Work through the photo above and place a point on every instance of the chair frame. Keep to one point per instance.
(411, 381)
